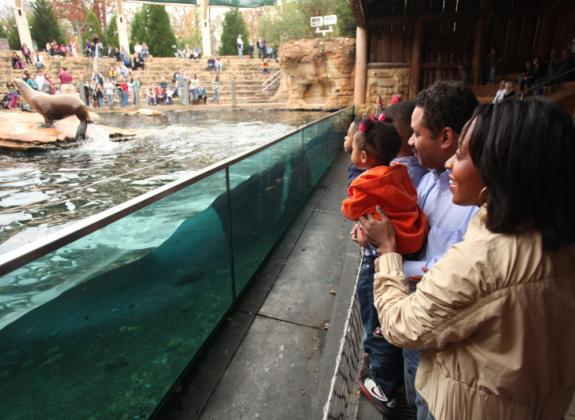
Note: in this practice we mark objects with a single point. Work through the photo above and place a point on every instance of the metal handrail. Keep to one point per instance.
(273, 79)
(15, 259)
(546, 81)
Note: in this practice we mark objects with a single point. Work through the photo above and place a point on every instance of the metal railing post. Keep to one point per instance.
(231, 234)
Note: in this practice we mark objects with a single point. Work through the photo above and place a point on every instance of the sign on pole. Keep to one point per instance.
(318, 21)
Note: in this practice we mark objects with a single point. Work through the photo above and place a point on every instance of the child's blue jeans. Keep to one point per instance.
(386, 360)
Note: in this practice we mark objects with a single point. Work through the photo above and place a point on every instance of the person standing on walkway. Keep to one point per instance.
(440, 113)
(216, 88)
(240, 46)
(65, 81)
(490, 316)
(27, 53)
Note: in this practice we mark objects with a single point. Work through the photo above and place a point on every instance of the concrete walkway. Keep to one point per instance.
(274, 356)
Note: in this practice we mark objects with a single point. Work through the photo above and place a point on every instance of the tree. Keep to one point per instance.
(3, 33)
(111, 35)
(292, 20)
(13, 36)
(187, 28)
(232, 27)
(345, 21)
(159, 35)
(44, 26)
(138, 32)
(91, 27)
(74, 11)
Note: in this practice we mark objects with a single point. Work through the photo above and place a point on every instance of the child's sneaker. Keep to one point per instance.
(376, 396)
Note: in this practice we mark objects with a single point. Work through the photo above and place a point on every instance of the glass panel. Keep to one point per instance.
(267, 191)
(322, 143)
(103, 327)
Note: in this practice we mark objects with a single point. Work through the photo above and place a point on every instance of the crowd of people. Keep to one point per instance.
(538, 74)
(465, 279)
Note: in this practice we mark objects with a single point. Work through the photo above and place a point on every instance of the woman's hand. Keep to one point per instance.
(358, 236)
(379, 233)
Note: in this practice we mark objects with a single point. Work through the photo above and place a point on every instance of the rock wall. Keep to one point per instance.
(386, 82)
(318, 73)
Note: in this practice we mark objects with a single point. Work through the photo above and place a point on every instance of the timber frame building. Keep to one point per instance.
(403, 46)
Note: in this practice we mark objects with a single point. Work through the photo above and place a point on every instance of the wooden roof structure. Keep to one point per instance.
(435, 38)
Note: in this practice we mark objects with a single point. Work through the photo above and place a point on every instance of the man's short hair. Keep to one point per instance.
(446, 104)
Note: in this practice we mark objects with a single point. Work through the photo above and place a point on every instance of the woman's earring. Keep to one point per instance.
(482, 198)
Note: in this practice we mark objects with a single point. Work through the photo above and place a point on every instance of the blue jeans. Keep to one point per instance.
(386, 359)
(410, 363)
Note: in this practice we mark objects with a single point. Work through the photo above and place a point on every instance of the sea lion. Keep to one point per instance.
(55, 107)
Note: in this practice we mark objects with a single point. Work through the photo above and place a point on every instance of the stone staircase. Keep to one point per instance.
(246, 73)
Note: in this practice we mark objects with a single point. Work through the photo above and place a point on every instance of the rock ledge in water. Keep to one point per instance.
(22, 131)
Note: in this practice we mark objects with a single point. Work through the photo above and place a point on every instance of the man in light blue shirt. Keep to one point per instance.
(447, 221)
(440, 113)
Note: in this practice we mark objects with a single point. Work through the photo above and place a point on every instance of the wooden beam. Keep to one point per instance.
(452, 16)
(415, 67)
(358, 11)
(479, 45)
(360, 66)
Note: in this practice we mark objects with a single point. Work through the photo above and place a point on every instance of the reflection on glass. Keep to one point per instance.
(123, 311)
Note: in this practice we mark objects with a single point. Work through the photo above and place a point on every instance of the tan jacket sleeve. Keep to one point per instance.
(445, 308)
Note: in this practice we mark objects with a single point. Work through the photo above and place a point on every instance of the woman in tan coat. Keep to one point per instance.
(495, 316)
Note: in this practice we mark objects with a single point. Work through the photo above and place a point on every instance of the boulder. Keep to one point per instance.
(317, 73)
(23, 131)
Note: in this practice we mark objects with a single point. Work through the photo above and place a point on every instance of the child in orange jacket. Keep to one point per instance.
(375, 145)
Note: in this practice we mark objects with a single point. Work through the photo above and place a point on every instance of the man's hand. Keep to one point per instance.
(379, 233)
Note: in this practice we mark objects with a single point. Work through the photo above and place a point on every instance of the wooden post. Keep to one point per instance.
(479, 44)
(478, 51)
(415, 68)
(360, 66)
(544, 42)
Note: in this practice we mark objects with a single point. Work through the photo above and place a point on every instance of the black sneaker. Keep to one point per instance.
(376, 396)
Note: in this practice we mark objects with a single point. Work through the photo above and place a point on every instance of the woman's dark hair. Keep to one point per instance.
(525, 152)
(379, 139)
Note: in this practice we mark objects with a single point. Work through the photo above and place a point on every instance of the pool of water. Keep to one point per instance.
(41, 192)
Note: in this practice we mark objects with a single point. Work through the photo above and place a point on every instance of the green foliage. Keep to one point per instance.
(44, 26)
(346, 24)
(13, 37)
(194, 35)
(138, 33)
(92, 27)
(233, 26)
(111, 35)
(3, 33)
(159, 35)
(293, 20)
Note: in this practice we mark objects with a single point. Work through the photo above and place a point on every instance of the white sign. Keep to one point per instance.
(316, 21)
(330, 20)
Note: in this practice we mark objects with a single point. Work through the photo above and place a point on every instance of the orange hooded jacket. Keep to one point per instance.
(391, 188)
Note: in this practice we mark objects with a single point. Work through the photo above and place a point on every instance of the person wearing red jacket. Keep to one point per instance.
(390, 187)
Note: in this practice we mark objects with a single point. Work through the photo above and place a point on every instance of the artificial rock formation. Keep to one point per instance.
(23, 131)
(318, 73)
(386, 82)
